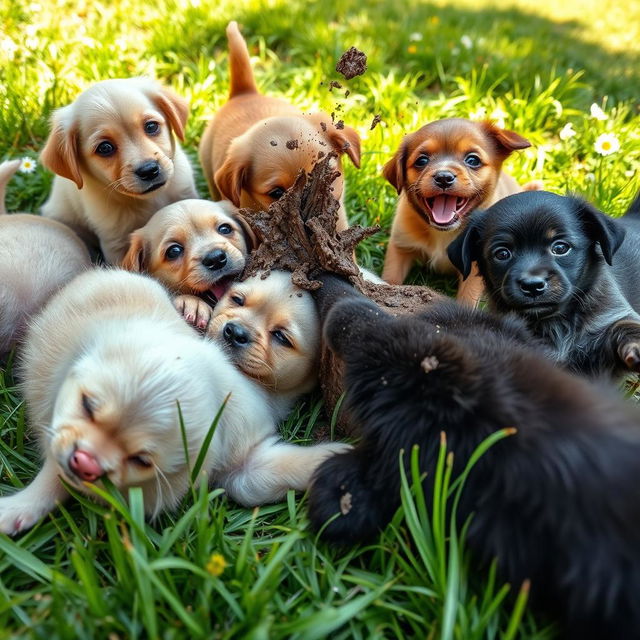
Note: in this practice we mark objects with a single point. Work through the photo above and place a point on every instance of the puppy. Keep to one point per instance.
(555, 502)
(270, 329)
(568, 270)
(117, 161)
(105, 365)
(37, 257)
(195, 248)
(442, 172)
(255, 146)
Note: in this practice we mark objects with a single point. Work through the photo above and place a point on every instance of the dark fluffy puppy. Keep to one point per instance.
(556, 502)
(569, 270)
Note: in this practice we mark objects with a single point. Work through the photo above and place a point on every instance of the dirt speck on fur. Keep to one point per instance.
(292, 144)
(273, 143)
(352, 63)
(340, 124)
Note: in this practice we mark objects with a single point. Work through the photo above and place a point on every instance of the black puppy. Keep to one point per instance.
(556, 502)
(550, 259)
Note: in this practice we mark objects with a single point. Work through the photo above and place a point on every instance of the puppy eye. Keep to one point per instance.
(239, 300)
(173, 252)
(88, 406)
(276, 193)
(105, 149)
(421, 161)
(501, 254)
(152, 127)
(473, 160)
(141, 460)
(225, 229)
(560, 248)
(281, 338)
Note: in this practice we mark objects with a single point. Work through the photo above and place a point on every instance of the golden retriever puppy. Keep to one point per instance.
(116, 160)
(255, 146)
(270, 329)
(105, 366)
(194, 247)
(37, 257)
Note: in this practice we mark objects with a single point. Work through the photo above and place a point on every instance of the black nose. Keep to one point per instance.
(444, 179)
(236, 335)
(148, 171)
(533, 286)
(215, 260)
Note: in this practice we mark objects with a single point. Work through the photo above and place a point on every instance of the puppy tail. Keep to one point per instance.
(634, 210)
(241, 73)
(7, 170)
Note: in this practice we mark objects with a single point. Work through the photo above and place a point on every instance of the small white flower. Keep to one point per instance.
(416, 36)
(598, 113)
(567, 132)
(9, 47)
(606, 144)
(590, 177)
(455, 51)
(27, 165)
(466, 41)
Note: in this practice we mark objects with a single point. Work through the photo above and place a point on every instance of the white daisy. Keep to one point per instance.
(466, 41)
(567, 132)
(27, 165)
(415, 37)
(598, 113)
(606, 144)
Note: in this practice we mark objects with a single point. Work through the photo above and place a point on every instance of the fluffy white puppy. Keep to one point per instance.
(104, 367)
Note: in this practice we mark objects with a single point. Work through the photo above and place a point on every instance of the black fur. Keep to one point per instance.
(556, 503)
(586, 305)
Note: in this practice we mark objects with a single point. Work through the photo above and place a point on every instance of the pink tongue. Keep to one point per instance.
(219, 289)
(444, 208)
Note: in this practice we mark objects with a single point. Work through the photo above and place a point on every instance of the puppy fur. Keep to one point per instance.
(37, 257)
(117, 161)
(568, 270)
(442, 172)
(195, 248)
(104, 366)
(270, 330)
(555, 502)
(255, 146)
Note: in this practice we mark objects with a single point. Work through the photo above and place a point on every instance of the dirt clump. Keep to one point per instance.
(352, 63)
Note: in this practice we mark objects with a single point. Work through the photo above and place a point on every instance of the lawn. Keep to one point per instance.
(212, 569)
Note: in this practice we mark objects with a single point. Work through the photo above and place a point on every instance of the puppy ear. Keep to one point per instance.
(393, 171)
(345, 140)
(137, 258)
(230, 177)
(465, 249)
(175, 109)
(60, 153)
(506, 141)
(600, 228)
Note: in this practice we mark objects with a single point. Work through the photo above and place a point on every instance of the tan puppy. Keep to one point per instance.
(105, 366)
(442, 172)
(255, 146)
(37, 257)
(271, 331)
(117, 160)
(193, 247)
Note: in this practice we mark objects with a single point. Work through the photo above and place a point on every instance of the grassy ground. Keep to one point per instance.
(212, 569)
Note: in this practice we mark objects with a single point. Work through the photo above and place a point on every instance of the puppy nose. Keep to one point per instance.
(85, 465)
(444, 179)
(533, 286)
(236, 335)
(148, 171)
(215, 260)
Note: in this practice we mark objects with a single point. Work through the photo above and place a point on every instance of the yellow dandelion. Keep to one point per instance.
(412, 48)
(434, 20)
(216, 564)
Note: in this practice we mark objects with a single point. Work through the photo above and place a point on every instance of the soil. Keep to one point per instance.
(376, 120)
(352, 63)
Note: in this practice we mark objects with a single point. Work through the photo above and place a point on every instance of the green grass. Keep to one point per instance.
(98, 570)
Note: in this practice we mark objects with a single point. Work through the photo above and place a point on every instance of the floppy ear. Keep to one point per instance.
(394, 169)
(60, 153)
(345, 140)
(136, 258)
(175, 109)
(506, 141)
(600, 228)
(465, 249)
(230, 177)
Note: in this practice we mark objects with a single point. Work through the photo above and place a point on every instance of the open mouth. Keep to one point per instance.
(213, 294)
(446, 210)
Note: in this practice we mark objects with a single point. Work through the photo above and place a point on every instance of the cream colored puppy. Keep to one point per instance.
(37, 257)
(117, 160)
(105, 365)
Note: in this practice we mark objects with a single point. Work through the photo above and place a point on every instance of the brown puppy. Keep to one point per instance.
(255, 146)
(442, 172)
(194, 247)
(117, 161)
(271, 331)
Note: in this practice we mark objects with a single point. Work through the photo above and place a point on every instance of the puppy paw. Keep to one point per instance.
(16, 514)
(195, 311)
(630, 355)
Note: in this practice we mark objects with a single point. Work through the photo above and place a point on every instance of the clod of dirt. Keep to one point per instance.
(273, 143)
(340, 124)
(292, 144)
(323, 126)
(334, 85)
(352, 63)
(376, 120)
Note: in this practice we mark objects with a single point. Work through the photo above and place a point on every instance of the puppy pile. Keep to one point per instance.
(141, 314)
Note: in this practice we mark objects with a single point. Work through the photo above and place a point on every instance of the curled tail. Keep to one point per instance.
(634, 210)
(7, 169)
(241, 73)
